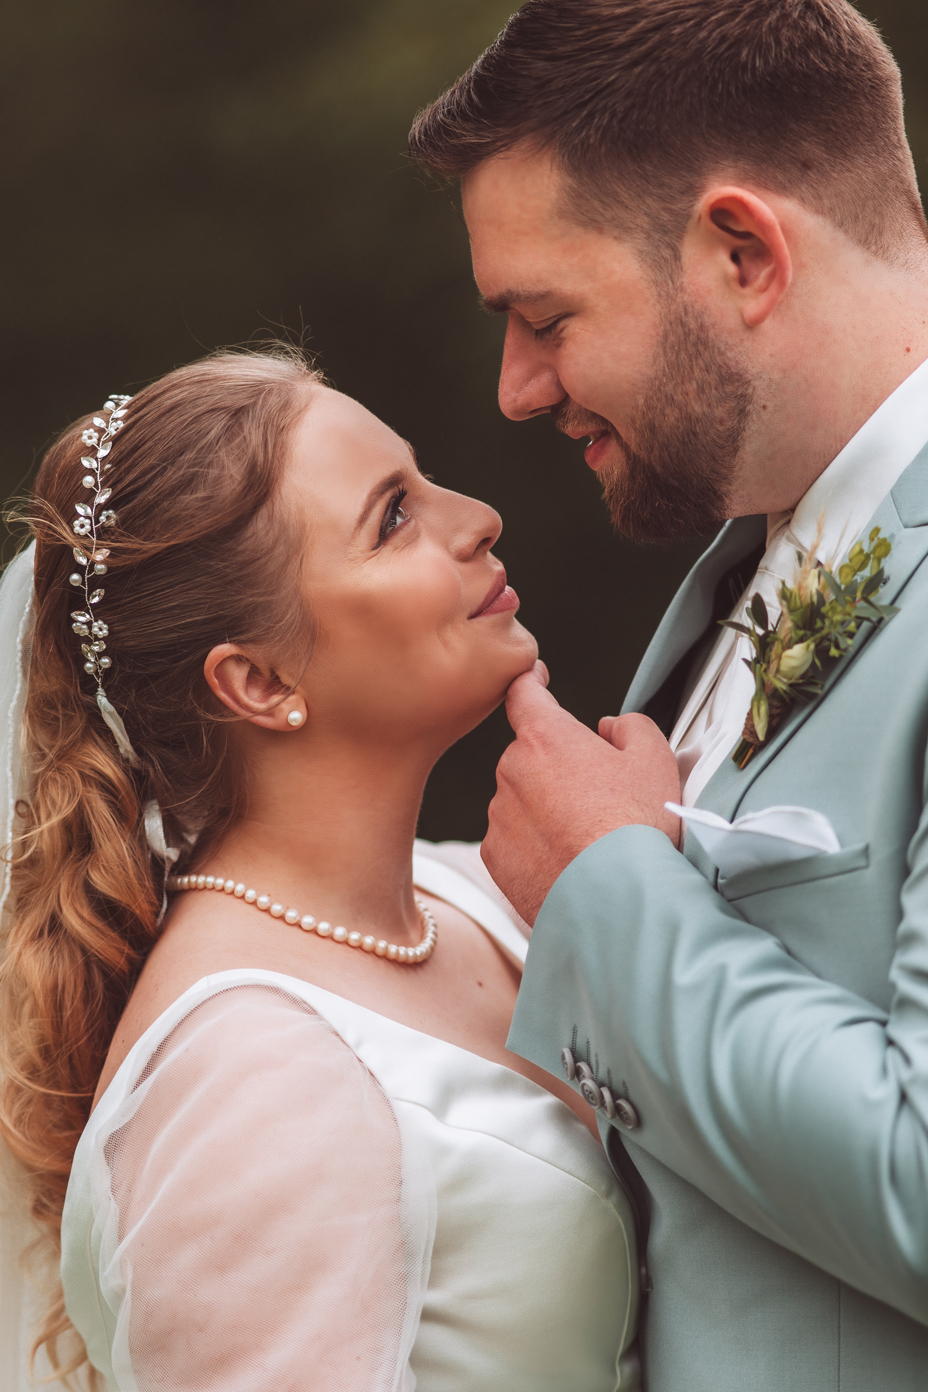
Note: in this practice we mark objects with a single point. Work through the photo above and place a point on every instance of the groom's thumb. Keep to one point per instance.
(527, 698)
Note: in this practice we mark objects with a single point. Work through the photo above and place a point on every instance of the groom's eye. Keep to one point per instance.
(548, 330)
(394, 516)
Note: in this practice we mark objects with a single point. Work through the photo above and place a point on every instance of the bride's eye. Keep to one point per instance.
(394, 516)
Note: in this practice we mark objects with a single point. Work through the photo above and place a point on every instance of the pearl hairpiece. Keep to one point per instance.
(91, 557)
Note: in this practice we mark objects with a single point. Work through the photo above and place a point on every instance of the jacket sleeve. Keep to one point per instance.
(797, 1106)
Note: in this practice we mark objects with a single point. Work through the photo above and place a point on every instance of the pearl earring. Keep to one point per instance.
(294, 719)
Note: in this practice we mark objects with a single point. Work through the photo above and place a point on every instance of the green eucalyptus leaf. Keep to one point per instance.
(759, 613)
(836, 589)
(868, 611)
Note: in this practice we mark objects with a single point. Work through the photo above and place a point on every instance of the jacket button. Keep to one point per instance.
(569, 1064)
(608, 1103)
(590, 1092)
(627, 1114)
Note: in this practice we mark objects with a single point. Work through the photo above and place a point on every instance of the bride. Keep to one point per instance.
(255, 1077)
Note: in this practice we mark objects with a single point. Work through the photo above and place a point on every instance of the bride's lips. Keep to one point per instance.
(499, 599)
(596, 450)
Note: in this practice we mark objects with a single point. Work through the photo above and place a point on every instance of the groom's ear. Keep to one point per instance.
(740, 242)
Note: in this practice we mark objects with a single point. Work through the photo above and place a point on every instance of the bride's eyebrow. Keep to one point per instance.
(381, 489)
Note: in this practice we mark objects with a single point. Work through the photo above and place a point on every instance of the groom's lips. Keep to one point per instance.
(499, 599)
(596, 450)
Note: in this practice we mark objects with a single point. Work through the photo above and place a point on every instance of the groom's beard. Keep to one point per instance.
(688, 429)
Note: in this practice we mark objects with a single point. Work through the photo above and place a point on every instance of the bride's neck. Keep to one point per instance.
(330, 828)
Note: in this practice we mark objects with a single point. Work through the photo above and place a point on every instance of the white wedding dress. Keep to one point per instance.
(282, 1191)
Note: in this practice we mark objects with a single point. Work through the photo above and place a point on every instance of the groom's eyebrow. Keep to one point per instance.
(513, 299)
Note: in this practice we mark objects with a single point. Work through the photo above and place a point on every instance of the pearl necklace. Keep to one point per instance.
(366, 942)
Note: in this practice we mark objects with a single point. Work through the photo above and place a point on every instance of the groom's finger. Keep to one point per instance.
(560, 787)
(528, 699)
(619, 730)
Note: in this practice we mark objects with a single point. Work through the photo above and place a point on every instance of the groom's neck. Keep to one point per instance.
(852, 330)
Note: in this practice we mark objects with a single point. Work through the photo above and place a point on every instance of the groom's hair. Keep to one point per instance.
(640, 102)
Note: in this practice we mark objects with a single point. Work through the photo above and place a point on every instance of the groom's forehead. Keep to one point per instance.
(515, 191)
(526, 249)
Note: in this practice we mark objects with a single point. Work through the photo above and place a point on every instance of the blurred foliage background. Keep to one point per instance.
(186, 174)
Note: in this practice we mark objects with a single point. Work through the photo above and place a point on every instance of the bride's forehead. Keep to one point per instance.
(336, 438)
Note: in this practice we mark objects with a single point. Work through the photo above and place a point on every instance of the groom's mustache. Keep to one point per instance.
(572, 419)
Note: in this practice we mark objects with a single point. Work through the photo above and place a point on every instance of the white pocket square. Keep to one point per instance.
(762, 838)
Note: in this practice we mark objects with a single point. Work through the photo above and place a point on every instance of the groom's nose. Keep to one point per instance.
(528, 382)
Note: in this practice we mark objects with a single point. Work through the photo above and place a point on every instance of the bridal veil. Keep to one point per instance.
(19, 1301)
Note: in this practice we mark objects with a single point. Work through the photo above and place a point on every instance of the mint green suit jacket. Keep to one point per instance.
(771, 1031)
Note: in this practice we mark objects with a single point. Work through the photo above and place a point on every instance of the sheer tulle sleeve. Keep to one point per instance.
(264, 1234)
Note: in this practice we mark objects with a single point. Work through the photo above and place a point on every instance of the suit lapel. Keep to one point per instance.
(903, 518)
(691, 609)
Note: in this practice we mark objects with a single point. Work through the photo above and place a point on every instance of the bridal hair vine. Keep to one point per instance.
(92, 517)
(820, 615)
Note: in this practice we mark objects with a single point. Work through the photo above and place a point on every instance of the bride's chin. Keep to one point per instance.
(524, 657)
(528, 654)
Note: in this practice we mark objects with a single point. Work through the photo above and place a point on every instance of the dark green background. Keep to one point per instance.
(182, 174)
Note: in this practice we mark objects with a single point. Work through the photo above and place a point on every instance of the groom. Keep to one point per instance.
(701, 220)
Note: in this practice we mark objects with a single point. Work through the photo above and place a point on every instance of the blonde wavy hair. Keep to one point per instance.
(204, 552)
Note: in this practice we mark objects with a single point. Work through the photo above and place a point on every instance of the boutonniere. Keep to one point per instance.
(820, 615)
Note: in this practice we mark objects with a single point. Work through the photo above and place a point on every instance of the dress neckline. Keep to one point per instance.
(435, 878)
(446, 883)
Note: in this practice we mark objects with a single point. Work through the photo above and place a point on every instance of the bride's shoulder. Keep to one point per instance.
(216, 1017)
(198, 944)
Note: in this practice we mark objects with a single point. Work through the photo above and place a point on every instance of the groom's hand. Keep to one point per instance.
(560, 788)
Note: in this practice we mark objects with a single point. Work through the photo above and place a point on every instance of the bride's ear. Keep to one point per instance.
(252, 689)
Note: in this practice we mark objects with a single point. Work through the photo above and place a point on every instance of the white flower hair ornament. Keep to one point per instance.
(92, 517)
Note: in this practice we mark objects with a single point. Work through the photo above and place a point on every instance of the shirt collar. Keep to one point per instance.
(847, 494)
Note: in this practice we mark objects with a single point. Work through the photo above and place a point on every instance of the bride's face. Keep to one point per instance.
(417, 630)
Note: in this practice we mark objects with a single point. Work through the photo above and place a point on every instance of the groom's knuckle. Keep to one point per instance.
(505, 763)
(534, 738)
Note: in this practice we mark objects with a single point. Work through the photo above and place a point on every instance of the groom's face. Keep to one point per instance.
(612, 350)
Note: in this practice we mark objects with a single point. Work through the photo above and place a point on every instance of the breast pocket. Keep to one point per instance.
(794, 872)
(823, 911)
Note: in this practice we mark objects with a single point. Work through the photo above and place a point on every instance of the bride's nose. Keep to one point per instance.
(477, 530)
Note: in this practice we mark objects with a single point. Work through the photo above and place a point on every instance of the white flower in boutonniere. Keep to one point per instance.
(819, 618)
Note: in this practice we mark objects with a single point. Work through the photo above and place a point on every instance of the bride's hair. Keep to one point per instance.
(204, 552)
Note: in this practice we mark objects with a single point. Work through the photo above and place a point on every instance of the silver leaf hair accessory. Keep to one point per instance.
(92, 516)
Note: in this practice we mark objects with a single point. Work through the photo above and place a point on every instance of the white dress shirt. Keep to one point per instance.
(841, 501)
